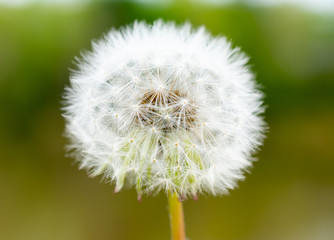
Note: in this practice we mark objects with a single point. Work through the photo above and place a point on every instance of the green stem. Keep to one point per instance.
(176, 217)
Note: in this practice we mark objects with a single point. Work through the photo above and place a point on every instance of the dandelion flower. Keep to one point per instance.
(164, 107)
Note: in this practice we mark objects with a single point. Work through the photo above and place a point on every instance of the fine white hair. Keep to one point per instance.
(164, 107)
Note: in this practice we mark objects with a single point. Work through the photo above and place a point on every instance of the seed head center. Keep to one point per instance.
(167, 110)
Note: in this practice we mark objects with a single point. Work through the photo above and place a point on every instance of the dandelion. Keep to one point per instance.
(164, 107)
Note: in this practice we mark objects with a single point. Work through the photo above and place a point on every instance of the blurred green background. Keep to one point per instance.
(289, 194)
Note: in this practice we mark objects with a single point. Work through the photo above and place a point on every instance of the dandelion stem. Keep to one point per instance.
(176, 217)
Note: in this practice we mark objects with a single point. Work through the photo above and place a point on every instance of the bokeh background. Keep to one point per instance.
(289, 194)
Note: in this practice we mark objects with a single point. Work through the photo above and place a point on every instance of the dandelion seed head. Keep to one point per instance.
(164, 107)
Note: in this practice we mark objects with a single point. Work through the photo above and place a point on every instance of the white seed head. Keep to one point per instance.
(164, 107)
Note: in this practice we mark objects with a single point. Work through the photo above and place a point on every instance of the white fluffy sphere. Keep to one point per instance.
(164, 107)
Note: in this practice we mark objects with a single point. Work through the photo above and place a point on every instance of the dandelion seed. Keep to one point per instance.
(174, 109)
